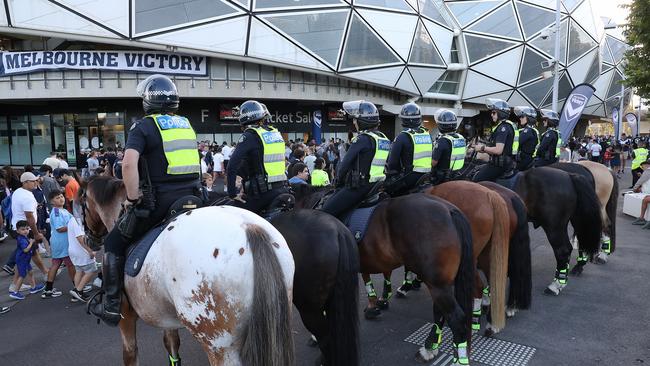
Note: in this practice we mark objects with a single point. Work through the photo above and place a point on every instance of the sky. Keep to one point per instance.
(609, 8)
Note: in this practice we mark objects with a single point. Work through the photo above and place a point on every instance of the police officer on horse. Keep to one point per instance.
(528, 137)
(258, 159)
(160, 164)
(504, 143)
(363, 164)
(548, 151)
(410, 154)
(450, 150)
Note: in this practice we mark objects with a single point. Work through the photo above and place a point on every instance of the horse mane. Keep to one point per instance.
(104, 188)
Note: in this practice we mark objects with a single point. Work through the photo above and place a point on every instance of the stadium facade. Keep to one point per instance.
(70, 67)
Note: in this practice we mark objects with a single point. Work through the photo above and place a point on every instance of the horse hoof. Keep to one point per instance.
(382, 304)
(548, 291)
(488, 333)
(424, 355)
(312, 342)
(510, 312)
(577, 270)
(371, 313)
(601, 258)
(400, 294)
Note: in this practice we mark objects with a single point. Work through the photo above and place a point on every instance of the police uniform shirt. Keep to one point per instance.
(549, 140)
(527, 140)
(400, 158)
(504, 135)
(361, 150)
(246, 160)
(442, 153)
(144, 137)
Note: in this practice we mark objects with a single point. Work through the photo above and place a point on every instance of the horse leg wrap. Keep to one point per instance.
(460, 354)
(388, 290)
(370, 289)
(433, 341)
(476, 315)
(582, 258)
(562, 275)
(174, 361)
(605, 245)
(486, 296)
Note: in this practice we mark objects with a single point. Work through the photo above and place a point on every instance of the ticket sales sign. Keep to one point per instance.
(14, 63)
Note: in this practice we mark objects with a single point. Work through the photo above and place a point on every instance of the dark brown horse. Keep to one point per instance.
(432, 238)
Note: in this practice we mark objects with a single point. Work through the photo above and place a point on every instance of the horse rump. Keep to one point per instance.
(519, 260)
(586, 219)
(267, 339)
(464, 282)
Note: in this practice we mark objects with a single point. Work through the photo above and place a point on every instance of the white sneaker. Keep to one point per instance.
(3, 236)
(97, 282)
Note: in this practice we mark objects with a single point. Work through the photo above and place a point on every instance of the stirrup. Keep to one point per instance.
(92, 301)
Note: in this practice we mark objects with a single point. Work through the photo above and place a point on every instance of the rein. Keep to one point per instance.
(93, 240)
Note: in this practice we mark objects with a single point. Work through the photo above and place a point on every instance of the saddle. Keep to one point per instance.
(282, 203)
(137, 253)
(357, 220)
(509, 181)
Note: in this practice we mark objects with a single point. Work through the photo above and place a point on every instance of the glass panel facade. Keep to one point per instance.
(4, 141)
(548, 45)
(20, 154)
(265, 4)
(605, 55)
(615, 85)
(391, 4)
(156, 14)
(594, 70)
(531, 68)
(448, 83)
(579, 42)
(454, 58)
(320, 32)
(58, 128)
(481, 47)
(502, 23)
(424, 51)
(571, 4)
(363, 48)
(431, 9)
(618, 49)
(112, 129)
(537, 91)
(466, 11)
(534, 19)
(41, 138)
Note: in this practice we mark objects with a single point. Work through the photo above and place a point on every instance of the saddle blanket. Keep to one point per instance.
(138, 252)
(358, 220)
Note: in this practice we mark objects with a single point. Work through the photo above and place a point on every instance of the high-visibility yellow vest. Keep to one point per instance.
(515, 140)
(382, 148)
(319, 178)
(273, 145)
(640, 155)
(422, 150)
(179, 144)
(458, 151)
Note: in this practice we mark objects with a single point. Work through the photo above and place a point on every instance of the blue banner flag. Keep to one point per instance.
(573, 107)
(317, 123)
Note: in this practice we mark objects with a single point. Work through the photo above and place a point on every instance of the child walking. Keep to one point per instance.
(24, 255)
(59, 218)
(83, 259)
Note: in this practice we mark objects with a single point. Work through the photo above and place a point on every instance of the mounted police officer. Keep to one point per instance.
(160, 164)
(548, 151)
(258, 159)
(504, 141)
(410, 154)
(364, 161)
(528, 137)
(450, 150)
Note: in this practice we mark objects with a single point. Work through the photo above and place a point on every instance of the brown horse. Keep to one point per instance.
(231, 288)
(488, 217)
(432, 238)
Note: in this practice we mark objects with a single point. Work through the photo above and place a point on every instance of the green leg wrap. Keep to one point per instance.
(437, 339)
(562, 275)
(486, 291)
(582, 258)
(388, 290)
(370, 289)
(606, 246)
(174, 361)
(460, 354)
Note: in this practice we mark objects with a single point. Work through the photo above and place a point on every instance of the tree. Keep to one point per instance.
(638, 36)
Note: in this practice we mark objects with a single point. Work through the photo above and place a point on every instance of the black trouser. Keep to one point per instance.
(544, 162)
(259, 202)
(636, 174)
(525, 162)
(345, 199)
(117, 244)
(402, 185)
(489, 172)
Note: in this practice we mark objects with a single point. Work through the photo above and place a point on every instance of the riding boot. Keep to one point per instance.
(109, 309)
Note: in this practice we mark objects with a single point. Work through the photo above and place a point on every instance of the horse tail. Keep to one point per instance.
(267, 339)
(586, 219)
(342, 307)
(464, 282)
(499, 246)
(519, 260)
(611, 208)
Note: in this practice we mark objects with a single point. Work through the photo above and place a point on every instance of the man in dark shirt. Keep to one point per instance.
(528, 137)
(505, 141)
(258, 159)
(145, 159)
(548, 151)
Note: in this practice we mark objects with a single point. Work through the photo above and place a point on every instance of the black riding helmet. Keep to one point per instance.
(159, 95)
(551, 116)
(446, 120)
(500, 106)
(528, 112)
(251, 111)
(411, 116)
(364, 112)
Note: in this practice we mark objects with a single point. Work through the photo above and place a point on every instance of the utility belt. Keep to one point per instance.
(501, 161)
(546, 155)
(128, 223)
(258, 185)
(355, 180)
(521, 155)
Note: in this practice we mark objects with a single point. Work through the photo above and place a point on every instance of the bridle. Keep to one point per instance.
(93, 240)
